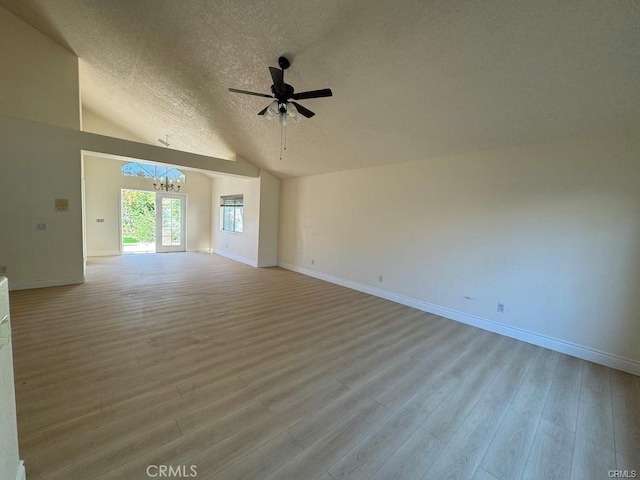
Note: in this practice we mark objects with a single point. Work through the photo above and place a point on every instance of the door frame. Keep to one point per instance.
(183, 223)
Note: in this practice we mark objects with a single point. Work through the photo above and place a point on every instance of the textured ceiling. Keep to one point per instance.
(411, 79)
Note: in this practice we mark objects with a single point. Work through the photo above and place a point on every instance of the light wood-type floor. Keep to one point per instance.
(243, 373)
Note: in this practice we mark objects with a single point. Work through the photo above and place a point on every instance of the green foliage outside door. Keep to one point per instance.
(138, 216)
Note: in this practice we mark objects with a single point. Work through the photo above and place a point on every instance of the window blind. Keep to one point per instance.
(231, 201)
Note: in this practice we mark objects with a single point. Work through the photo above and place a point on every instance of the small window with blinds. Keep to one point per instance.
(231, 213)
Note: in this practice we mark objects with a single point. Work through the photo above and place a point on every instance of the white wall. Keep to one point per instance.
(39, 83)
(103, 181)
(269, 213)
(242, 247)
(9, 460)
(96, 123)
(257, 245)
(36, 172)
(39, 78)
(552, 231)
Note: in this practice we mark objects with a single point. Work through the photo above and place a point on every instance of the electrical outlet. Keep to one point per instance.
(500, 307)
(380, 278)
(3, 269)
(99, 220)
(313, 262)
(41, 226)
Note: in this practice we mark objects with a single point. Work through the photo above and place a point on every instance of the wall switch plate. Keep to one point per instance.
(501, 307)
(62, 204)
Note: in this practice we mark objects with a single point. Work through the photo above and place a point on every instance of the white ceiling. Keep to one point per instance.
(412, 79)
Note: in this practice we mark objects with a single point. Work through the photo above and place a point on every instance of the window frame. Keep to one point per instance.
(153, 171)
(235, 205)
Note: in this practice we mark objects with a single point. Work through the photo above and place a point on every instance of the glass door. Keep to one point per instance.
(170, 223)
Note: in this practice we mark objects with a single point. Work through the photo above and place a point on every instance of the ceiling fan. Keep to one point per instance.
(283, 105)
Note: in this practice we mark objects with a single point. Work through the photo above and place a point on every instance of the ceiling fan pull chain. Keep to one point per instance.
(281, 141)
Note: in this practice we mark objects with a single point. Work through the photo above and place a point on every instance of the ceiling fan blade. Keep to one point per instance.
(325, 92)
(235, 90)
(278, 79)
(263, 111)
(303, 111)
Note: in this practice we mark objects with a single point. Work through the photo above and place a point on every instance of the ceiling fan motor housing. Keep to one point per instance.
(287, 94)
(284, 63)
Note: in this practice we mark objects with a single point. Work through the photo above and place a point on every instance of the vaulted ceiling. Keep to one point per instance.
(412, 79)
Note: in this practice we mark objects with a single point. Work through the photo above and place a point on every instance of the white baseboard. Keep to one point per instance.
(232, 256)
(111, 253)
(267, 264)
(104, 253)
(21, 474)
(44, 283)
(562, 346)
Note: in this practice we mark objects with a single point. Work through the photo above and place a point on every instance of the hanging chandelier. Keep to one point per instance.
(166, 186)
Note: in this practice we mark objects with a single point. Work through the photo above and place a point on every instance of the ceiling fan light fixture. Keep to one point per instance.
(273, 108)
(292, 111)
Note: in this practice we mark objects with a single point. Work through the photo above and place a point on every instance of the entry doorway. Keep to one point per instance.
(152, 222)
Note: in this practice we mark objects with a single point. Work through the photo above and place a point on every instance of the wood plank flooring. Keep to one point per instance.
(192, 360)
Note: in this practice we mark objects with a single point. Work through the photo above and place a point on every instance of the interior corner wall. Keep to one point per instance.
(550, 231)
(38, 86)
(96, 123)
(40, 165)
(269, 213)
(242, 247)
(103, 183)
(39, 80)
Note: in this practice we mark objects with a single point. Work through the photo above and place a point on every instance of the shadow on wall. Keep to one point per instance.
(552, 231)
(576, 256)
(555, 234)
